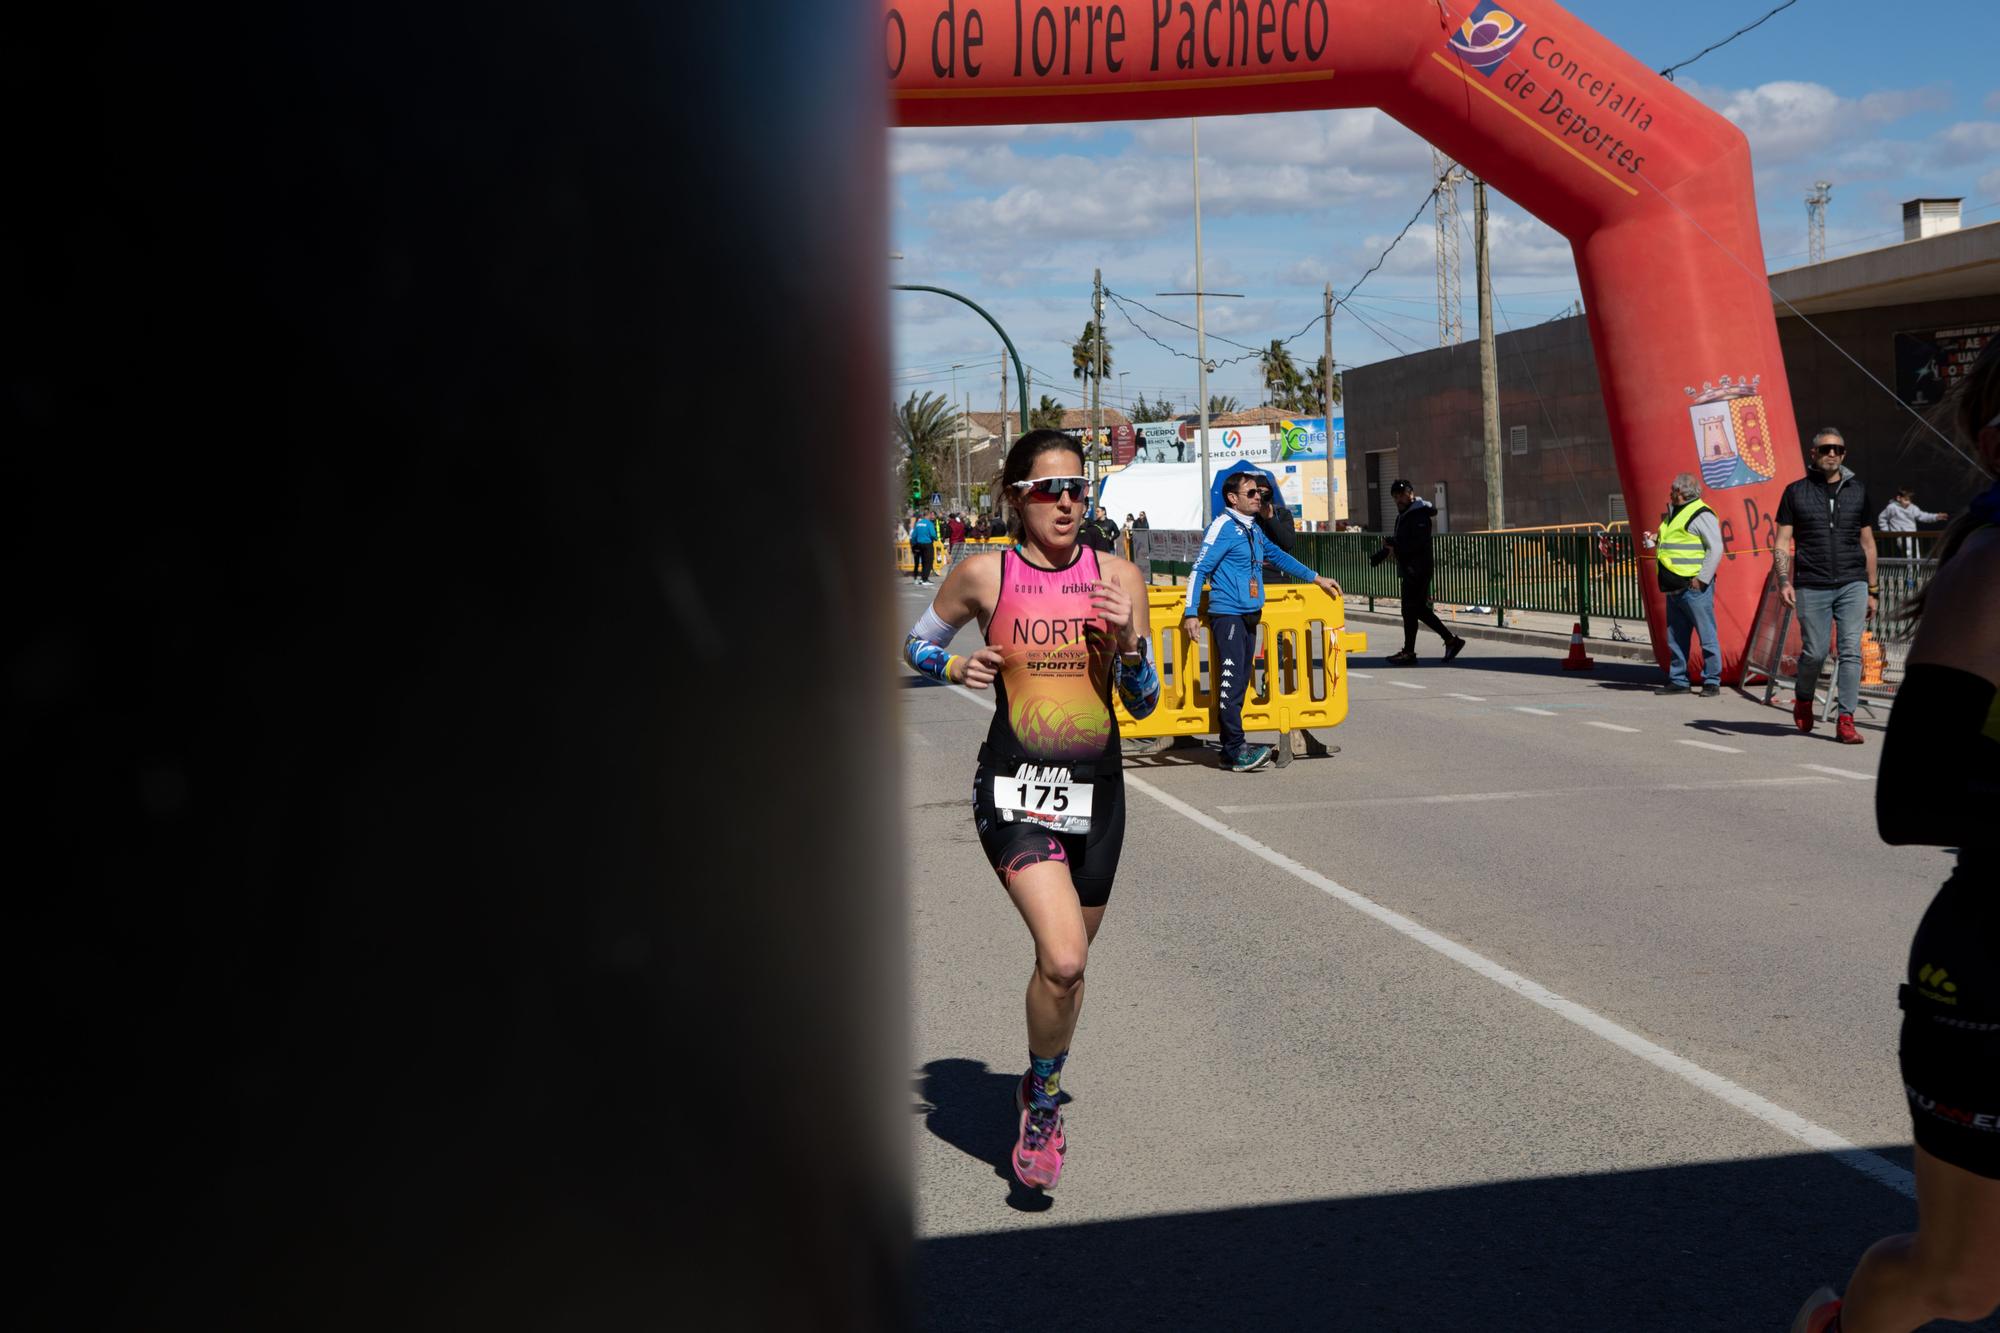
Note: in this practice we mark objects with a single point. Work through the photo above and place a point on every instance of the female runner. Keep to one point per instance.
(1940, 786)
(1061, 622)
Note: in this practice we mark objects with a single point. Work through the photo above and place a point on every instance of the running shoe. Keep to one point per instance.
(1253, 758)
(1845, 733)
(1059, 1139)
(1037, 1161)
(1671, 688)
(1453, 649)
(1711, 691)
(1405, 658)
(1820, 1310)
(1802, 715)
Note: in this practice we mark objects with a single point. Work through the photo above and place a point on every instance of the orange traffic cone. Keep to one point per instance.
(1576, 661)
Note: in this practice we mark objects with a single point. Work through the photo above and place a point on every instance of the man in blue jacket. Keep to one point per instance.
(923, 549)
(1231, 560)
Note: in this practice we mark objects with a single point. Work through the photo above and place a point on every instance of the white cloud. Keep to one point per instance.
(1968, 141)
(1786, 120)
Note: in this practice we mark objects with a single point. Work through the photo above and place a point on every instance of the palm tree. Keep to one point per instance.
(1083, 355)
(1281, 374)
(1220, 404)
(1317, 394)
(1048, 415)
(925, 428)
(1159, 409)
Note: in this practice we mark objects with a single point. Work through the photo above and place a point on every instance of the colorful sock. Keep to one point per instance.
(1045, 1080)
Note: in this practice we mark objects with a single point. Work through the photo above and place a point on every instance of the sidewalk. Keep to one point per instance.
(1537, 629)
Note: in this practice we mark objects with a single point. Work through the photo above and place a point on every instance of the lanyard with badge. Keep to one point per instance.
(1256, 562)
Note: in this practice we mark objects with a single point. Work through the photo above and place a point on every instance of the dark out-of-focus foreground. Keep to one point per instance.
(421, 912)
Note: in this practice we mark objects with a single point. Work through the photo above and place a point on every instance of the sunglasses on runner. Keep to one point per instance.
(1074, 487)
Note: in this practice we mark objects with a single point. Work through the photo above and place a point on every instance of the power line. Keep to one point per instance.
(1668, 72)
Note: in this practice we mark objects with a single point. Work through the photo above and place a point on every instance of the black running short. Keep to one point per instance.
(1092, 857)
(1951, 1024)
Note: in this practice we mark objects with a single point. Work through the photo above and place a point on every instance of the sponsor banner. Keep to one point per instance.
(1230, 444)
(1161, 442)
(1303, 439)
(1928, 363)
(1124, 444)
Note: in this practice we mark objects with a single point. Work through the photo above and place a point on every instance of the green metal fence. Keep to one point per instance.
(1577, 574)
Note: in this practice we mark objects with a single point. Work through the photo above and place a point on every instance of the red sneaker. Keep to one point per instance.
(1845, 732)
(1802, 715)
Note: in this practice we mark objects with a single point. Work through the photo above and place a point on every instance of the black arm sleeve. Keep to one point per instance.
(1940, 770)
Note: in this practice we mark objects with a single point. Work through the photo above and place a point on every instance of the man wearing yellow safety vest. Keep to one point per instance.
(1690, 549)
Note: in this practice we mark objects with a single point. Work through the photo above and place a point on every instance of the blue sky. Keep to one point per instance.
(1887, 102)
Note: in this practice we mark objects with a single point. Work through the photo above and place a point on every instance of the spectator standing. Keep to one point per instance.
(1902, 515)
(1690, 550)
(1826, 570)
(1140, 523)
(1231, 560)
(955, 535)
(1093, 532)
(1275, 522)
(923, 541)
(1410, 544)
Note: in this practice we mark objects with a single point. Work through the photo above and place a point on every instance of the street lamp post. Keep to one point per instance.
(958, 442)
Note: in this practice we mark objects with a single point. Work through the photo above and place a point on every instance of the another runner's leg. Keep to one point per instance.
(1045, 897)
(1904, 1282)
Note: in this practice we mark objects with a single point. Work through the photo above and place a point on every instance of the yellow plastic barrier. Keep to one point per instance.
(1283, 697)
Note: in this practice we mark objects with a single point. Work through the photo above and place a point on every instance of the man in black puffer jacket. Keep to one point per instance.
(1825, 516)
(1411, 547)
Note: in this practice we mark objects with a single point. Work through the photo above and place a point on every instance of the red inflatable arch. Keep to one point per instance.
(1652, 188)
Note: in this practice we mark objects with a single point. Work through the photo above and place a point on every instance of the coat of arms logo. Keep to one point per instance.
(1732, 438)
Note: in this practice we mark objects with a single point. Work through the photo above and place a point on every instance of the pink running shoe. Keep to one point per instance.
(1021, 1104)
(1037, 1161)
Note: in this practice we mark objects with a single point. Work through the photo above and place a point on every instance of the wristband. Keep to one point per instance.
(949, 663)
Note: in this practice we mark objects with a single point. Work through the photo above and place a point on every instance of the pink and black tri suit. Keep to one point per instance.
(1053, 709)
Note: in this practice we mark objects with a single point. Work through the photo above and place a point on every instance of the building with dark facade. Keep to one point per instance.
(1912, 316)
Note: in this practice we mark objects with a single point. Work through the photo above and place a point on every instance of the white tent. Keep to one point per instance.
(1170, 493)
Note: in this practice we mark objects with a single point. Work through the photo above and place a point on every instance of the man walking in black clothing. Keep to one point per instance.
(1411, 545)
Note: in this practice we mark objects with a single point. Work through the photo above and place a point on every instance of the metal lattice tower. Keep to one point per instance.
(1816, 221)
(1451, 327)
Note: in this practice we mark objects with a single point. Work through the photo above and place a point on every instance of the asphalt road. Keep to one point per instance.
(1547, 1003)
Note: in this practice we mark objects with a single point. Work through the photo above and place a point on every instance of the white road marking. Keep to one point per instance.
(1538, 712)
(1840, 772)
(1360, 675)
(1461, 798)
(1470, 698)
(1789, 1123)
(1407, 685)
(1612, 726)
(916, 735)
(1709, 745)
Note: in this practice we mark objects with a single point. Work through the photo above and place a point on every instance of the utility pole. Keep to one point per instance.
(1200, 328)
(964, 477)
(1326, 397)
(1822, 192)
(1451, 325)
(1489, 371)
(1096, 363)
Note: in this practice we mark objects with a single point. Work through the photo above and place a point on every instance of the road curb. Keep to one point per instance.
(1557, 643)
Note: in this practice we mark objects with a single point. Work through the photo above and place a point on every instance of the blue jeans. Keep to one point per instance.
(1688, 610)
(1847, 604)
(1232, 641)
